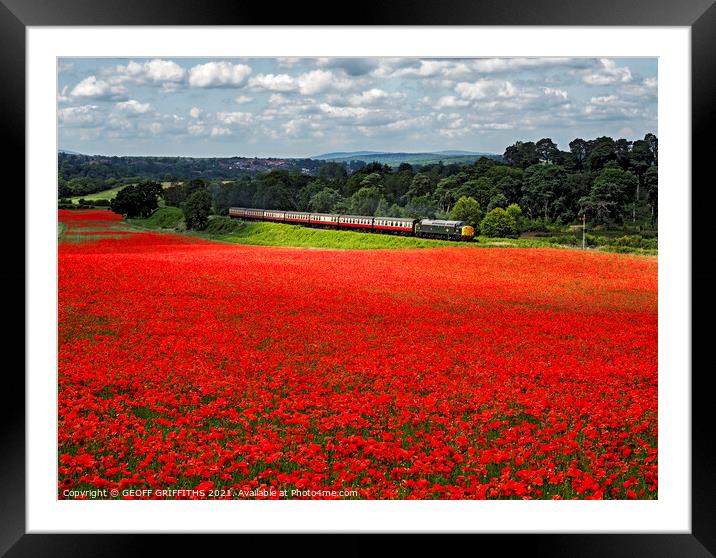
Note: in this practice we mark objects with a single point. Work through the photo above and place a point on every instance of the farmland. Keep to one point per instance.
(443, 373)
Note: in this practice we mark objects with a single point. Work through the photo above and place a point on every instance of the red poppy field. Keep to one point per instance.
(193, 369)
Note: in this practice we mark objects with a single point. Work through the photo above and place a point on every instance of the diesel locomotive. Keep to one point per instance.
(422, 228)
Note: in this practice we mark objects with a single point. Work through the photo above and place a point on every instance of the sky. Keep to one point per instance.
(299, 107)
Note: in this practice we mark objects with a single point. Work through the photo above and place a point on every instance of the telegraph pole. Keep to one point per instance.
(584, 229)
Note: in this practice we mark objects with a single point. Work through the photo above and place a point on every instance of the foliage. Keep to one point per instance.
(467, 209)
(325, 200)
(163, 218)
(611, 191)
(197, 210)
(138, 200)
(550, 185)
(221, 225)
(499, 223)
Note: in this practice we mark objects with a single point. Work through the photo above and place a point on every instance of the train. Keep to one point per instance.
(421, 228)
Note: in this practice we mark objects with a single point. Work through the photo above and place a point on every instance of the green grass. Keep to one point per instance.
(162, 218)
(257, 233)
(279, 234)
(103, 195)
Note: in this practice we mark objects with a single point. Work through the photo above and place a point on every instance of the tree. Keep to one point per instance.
(445, 192)
(325, 200)
(197, 210)
(420, 207)
(542, 189)
(482, 189)
(651, 185)
(547, 151)
(499, 223)
(498, 200)
(303, 199)
(137, 200)
(522, 154)
(365, 201)
(613, 188)
(422, 184)
(622, 150)
(580, 151)
(515, 211)
(332, 170)
(467, 209)
(601, 151)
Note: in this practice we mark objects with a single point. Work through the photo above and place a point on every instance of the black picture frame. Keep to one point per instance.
(699, 15)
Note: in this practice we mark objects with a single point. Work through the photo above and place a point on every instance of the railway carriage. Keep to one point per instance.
(297, 217)
(324, 219)
(237, 212)
(424, 228)
(275, 216)
(395, 225)
(355, 222)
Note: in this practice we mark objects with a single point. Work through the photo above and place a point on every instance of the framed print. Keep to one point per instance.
(393, 275)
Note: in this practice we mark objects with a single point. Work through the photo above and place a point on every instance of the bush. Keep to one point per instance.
(197, 210)
(224, 225)
(165, 218)
(467, 209)
(499, 223)
(567, 239)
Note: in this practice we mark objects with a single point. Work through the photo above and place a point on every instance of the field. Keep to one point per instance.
(445, 373)
(103, 195)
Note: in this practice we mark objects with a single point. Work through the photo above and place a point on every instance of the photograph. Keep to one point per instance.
(357, 278)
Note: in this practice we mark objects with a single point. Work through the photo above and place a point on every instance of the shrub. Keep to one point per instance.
(467, 209)
(224, 225)
(499, 223)
(197, 210)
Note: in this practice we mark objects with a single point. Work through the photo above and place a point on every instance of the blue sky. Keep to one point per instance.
(298, 107)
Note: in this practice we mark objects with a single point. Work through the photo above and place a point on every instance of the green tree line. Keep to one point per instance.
(612, 182)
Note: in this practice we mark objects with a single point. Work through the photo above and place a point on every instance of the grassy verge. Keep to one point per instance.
(257, 233)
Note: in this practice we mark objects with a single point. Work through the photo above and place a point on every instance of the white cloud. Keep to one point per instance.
(310, 83)
(607, 73)
(273, 82)
(343, 112)
(243, 99)
(413, 67)
(164, 70)
(482, 89)
(86, 115)
(195, 112)
(603, 100)
(234, 118)
(315, 82)
(561, 93)
(218, 74)
(450, 101)
(195, 129)
(94, 88)
(155, 71)
(133, 106)
(373, 96)
(217, 131)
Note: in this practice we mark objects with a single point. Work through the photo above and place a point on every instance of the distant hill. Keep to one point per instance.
(346, 154)
(68, 152)
(395, 159)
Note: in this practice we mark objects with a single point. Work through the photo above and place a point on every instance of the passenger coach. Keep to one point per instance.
(424, 228)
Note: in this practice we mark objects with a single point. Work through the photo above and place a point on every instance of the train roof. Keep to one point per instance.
(441, 222)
